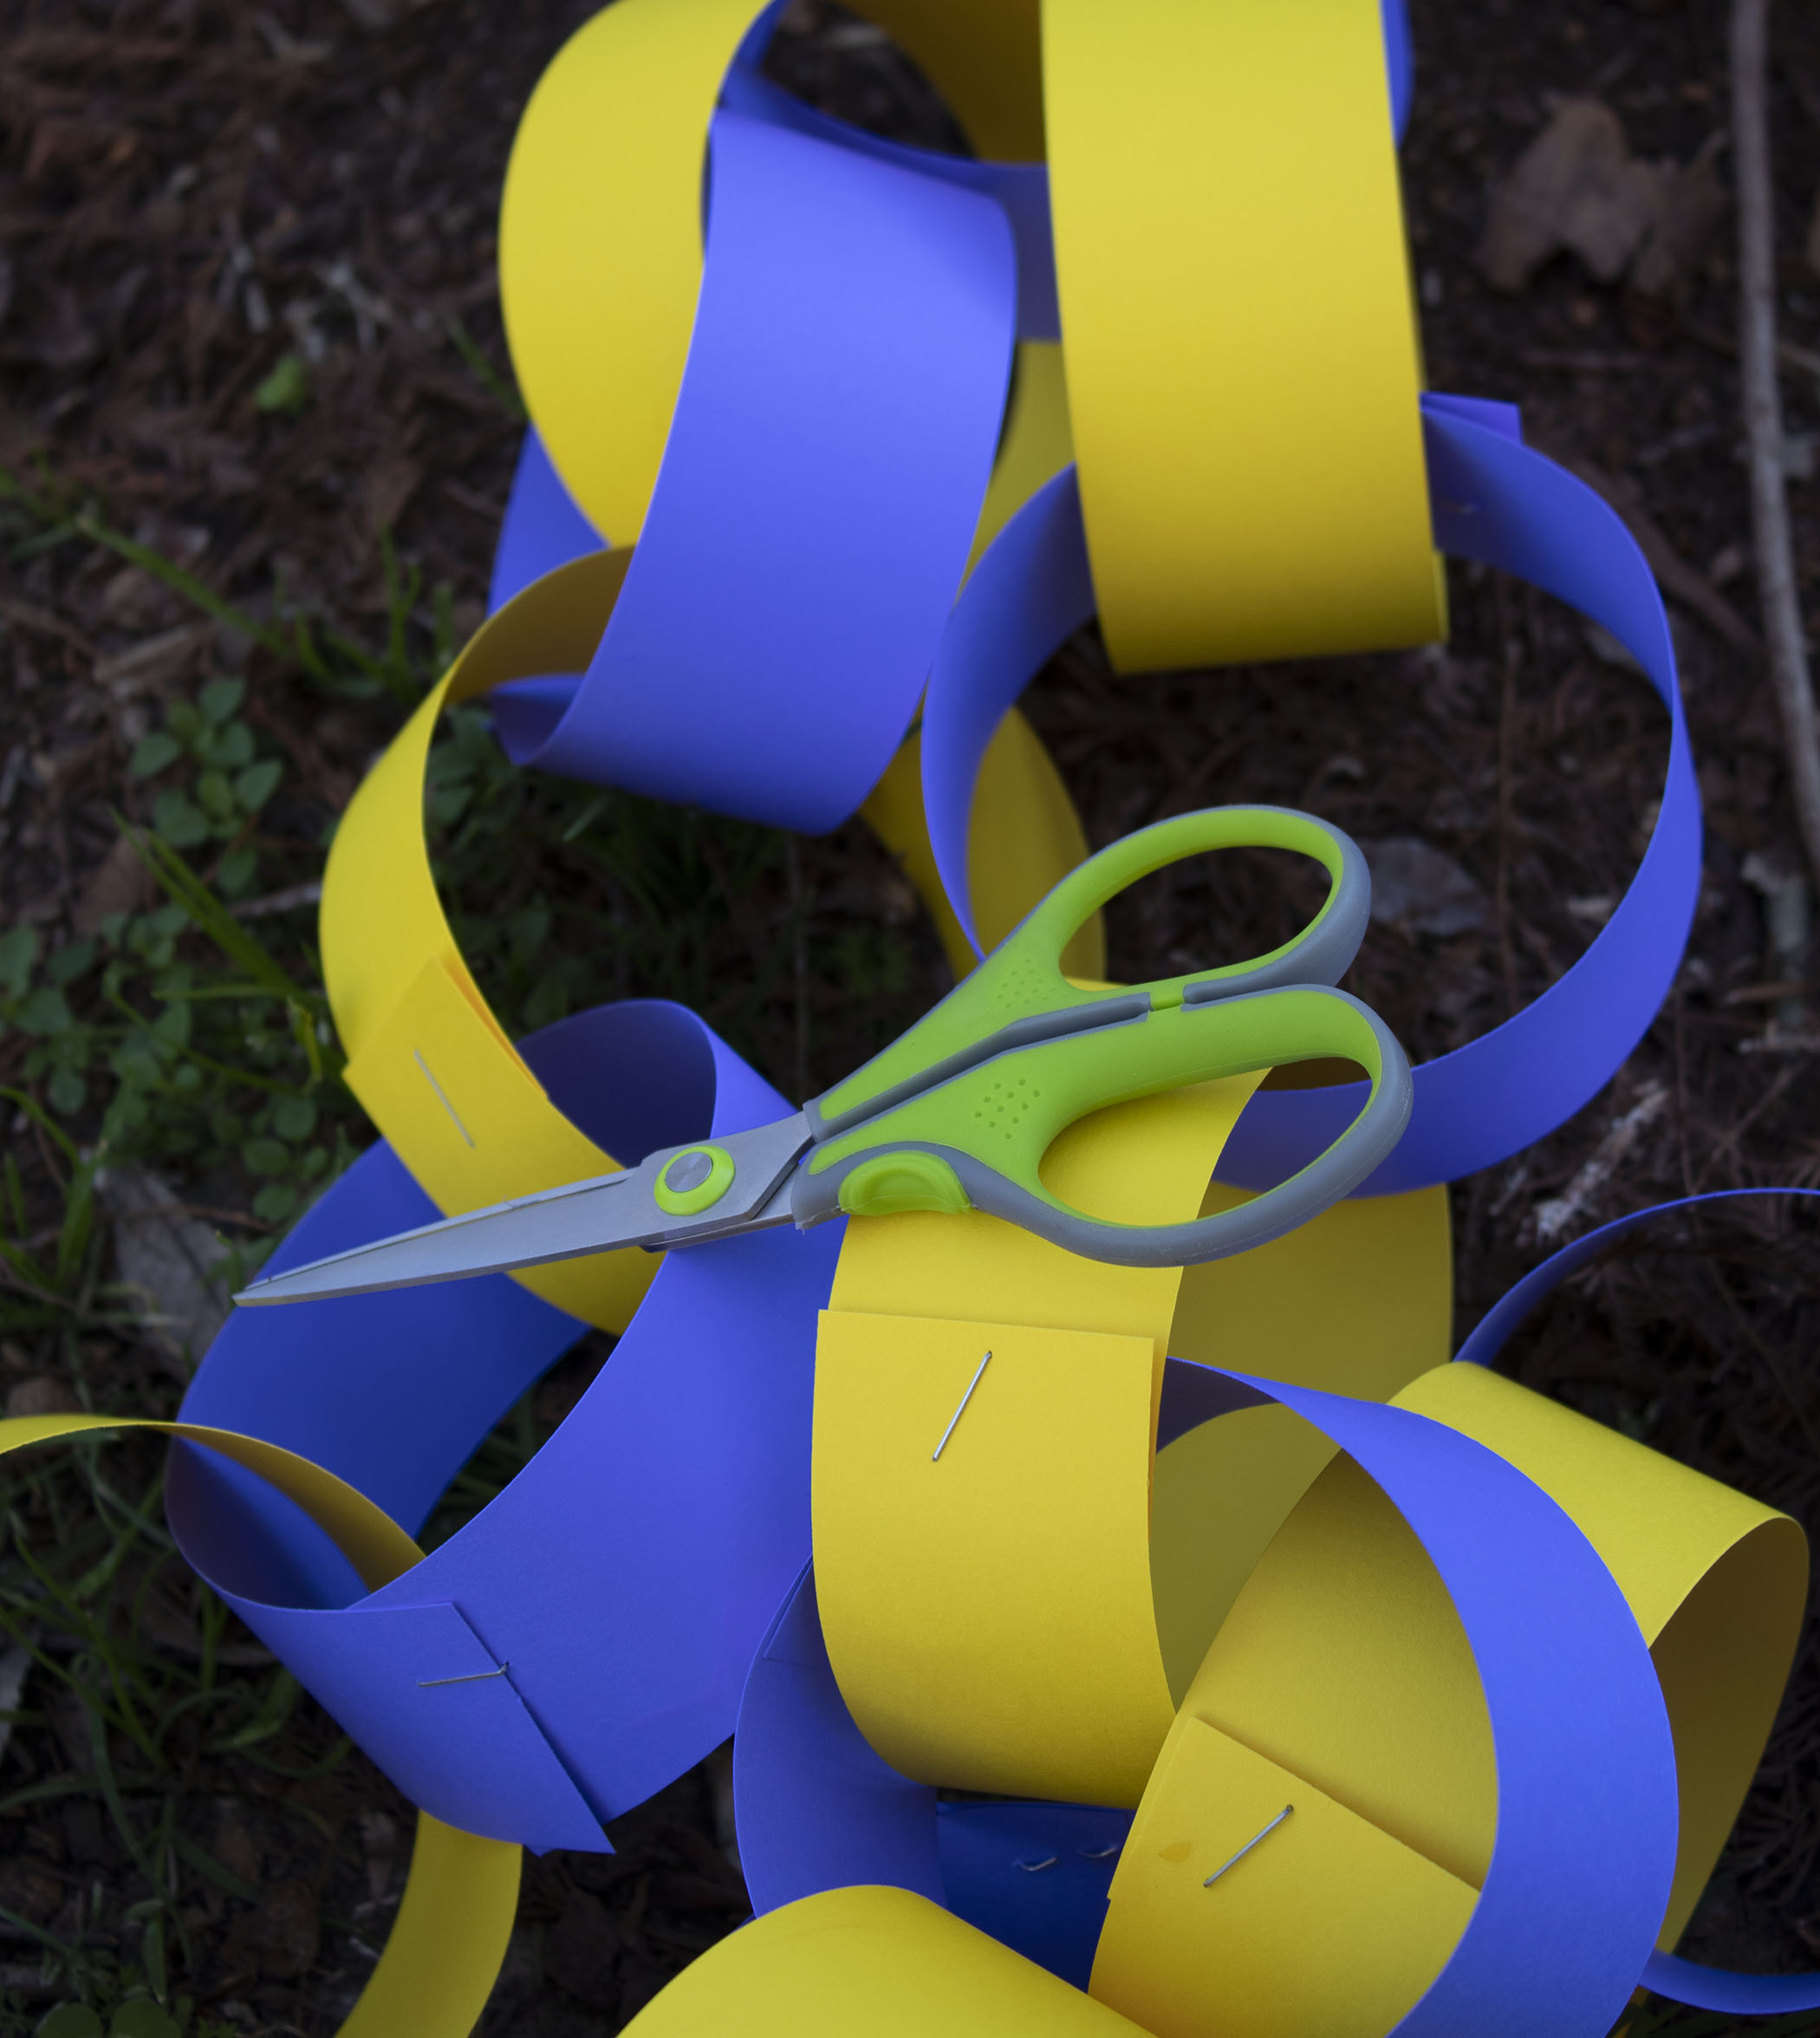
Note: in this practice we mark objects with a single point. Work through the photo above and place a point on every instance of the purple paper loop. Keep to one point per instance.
(1495, 500)
(1681, 1980)
(1583, 1856)
(830, 449)
(626, 1575)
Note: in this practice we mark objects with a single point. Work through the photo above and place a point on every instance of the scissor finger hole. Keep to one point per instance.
(1239, 904)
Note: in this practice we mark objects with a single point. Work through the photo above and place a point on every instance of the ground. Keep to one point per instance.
(249, 333)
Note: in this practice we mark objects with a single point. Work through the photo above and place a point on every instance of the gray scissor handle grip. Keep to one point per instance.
(1322, 952)
(1365, 1145)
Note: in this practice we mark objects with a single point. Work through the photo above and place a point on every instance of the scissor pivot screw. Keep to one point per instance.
(693, 1180)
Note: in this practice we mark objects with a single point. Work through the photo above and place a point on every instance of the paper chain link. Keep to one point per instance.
(1409, 1701)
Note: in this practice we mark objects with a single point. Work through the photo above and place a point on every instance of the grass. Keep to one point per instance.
(195, 1040)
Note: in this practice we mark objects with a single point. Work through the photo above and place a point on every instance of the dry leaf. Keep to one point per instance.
(167, 1259)
(133, 600)
(386, 490)
(1413, 882)
(280, 1937)
(1692, 202)
(119, 883)
(153, 664)
(41, 1396)
(1577, 187)
(236, 1850)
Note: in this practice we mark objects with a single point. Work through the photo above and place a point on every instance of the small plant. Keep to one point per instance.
(216, 783)
(202, 1067)
(286, 389)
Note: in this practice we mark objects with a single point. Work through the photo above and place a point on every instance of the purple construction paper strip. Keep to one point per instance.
(1493, 1330)
(544, 527)
(830, 453)
(1584, 1852)
(818, 1810)
(629, 1572)
(1587, 1811)
(415, 1688)
(815, 1808)
(345, 1385)
(1494, 500)
(1029, 594)
(1193, 1394)
(1020, 189)
(1681, 1980)
(1399, 62)
(1737, 1994)
(306, 1378)
(1504, 419)
(1034, 1875)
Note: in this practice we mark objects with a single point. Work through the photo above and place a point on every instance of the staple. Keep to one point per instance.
(1036, 1867)
(471, 1678)
(1101, 1853)
(961, 1410)
(442, 1096)
(1263, 1833)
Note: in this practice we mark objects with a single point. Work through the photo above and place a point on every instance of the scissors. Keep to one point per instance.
(958, 1113)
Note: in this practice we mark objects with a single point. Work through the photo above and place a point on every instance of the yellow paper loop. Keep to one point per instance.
(1012, 1615)
(1341, 1681)
(600, 226)
(425, 1056)
(988, 1613)
(1717, 1581)
(1242, 368)
(883, 1961)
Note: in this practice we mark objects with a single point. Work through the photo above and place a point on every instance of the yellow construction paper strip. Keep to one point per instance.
(1717, 1581)
(1242, 365)
(988, 1610)
(600, 226)
(599, 242)
(426, 1057)
(982, 1552)
(880, 1962)
(1360, 1302)
(1318, 1921)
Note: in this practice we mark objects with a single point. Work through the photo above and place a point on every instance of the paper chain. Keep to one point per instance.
(1337, 1686)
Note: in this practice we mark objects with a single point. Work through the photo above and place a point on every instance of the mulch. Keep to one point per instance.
(189, 193)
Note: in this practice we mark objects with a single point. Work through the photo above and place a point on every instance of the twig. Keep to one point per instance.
(288, 901)
(1728, 1142)
(1790, 354)
(1506, 716)
(1554, 1218)
(1772, 1364)
(1776, 581)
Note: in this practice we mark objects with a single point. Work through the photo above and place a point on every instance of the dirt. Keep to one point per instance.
(190, 194)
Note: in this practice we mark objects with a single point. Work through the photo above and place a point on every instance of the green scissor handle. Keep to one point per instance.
(960, 1109)
(1018, 993)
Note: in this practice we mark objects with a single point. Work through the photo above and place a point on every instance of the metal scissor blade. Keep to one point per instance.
(602, 1214)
